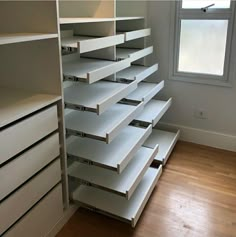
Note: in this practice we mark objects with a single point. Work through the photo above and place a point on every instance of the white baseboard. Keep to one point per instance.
(65, 218)
(204, 137)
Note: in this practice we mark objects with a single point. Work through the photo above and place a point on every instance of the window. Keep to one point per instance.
(202, 40)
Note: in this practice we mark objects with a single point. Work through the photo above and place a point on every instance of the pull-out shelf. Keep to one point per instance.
(88, 43)
(104, 127)
(90, 70)
(96, 97)
(165, 140)
(145, 91)
(133, 54)
(138, 73)
(123, 184)
(114, 156)
(135, 34)
(116, 206)
(153, 111)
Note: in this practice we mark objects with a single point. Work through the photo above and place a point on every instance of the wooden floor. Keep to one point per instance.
(196, 196)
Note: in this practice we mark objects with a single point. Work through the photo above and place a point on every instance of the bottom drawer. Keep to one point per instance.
(42, 218)
(116, 206)
(24, 198)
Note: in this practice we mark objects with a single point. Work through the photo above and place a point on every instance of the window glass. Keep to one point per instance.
(202, 46)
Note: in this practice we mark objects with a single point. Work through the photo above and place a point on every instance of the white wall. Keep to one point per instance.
(219, 129)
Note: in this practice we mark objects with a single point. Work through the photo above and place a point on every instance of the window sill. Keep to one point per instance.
(212, 82)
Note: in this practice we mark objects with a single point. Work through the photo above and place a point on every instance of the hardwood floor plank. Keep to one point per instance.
(195, 197)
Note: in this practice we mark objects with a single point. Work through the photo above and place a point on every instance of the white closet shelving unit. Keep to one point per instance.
(33, 185)
(74, 87)
(111, 111)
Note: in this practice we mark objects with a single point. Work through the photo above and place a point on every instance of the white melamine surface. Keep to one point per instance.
(145, 91)
(15, 104)
(72, 41)
(24, 37)
(131, 35)
(80, 67)
(133, 54)
(71, 20)
(165, 140)
(98, 96)
(115, 155)
(41, 218)
(28, 164)
(94, 19)
(92, 70)
(113, 204)
(138, 73)
(129, 18)
(28, 131)
(87, 44)
(123, 184)
(105, 126)
(16, 205)
(153, 111)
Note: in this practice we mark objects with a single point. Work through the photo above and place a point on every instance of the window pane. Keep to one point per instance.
(198, 4)
(202, 46)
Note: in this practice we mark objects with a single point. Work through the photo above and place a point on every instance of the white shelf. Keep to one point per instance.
(133, 54)
(86, 43)
(15, 104)
(145, 91)
(104, 127)
(96, 97)
(137, 73)
(165, 140)
(68, 20)
(90, 70)
(153, 111)
(129, 18)
(114, 156)
(136, 34)
(123, 184)
(116, 206)
(71, 20)
(24, 37)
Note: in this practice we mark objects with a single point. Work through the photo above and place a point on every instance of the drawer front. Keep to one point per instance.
(28, 164)
(23, 199)
(137, 34)
(42, 218)
(25, 133)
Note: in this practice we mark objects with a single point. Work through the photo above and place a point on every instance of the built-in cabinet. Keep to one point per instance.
(77, 109)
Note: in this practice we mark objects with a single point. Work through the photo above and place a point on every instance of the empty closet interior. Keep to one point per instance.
(78, 114)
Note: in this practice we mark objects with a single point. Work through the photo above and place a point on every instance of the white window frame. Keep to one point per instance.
(177, 14)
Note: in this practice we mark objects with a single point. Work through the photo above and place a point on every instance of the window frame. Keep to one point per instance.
(196, 14)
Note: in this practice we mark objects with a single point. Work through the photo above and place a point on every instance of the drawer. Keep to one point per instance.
(165, 140)
(138, 73)
(104, 127)
(97, 97)
(122, 149)
(136, 34)
(88, 43)
(28, 164)
(123, 184)
(145, 91)
(90, 70)
(133, 54)
(23, 134)
(113, 205)
(23, 199)
(153, 111)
